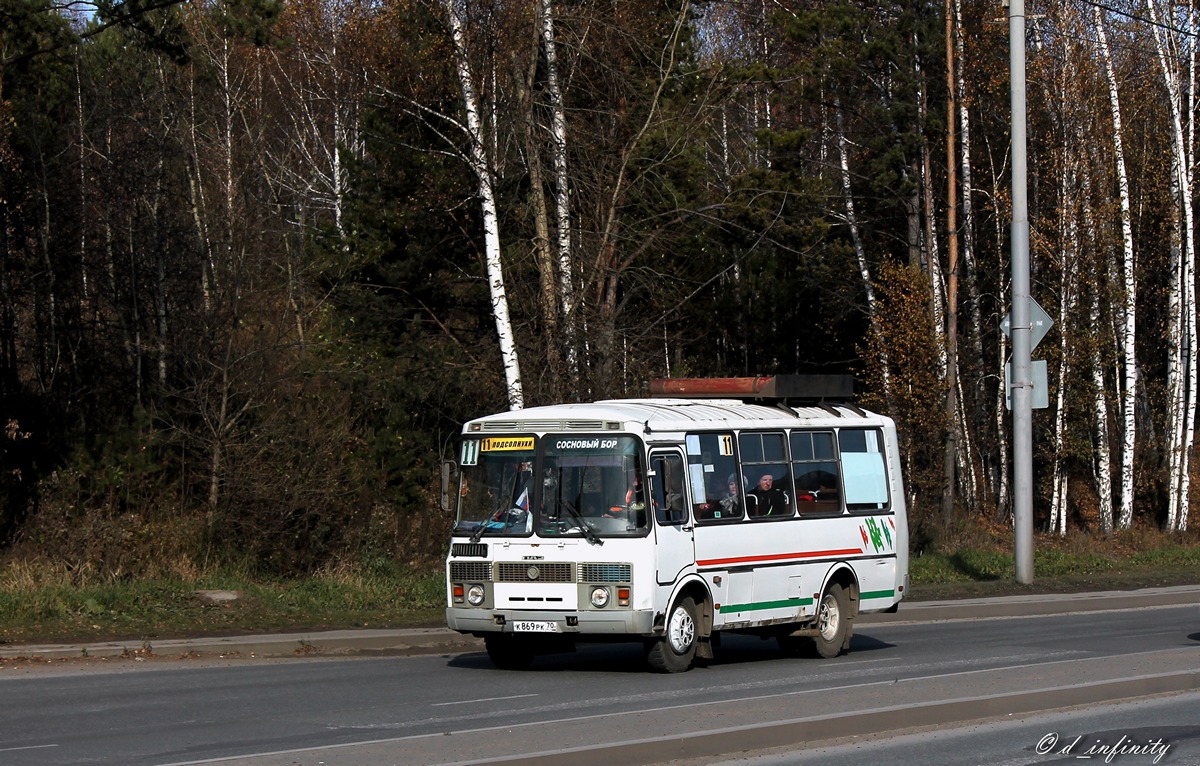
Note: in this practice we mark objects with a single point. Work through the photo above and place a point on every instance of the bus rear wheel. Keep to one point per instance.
(675, 650)
(508, 653)
(833, 622)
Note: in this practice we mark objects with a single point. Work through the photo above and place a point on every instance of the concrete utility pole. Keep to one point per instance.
(1022, 375)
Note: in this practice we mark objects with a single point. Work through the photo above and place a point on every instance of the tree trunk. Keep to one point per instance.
(491, 226)
(1068, 256)
(1127, 308)
(859, 250)
(952, 419)
(562, 193)
(1181, 363)
(1000, 479)
(547, 265)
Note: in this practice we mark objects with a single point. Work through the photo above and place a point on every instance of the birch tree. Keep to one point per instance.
(859, 250)
(970, 403)
(482, 170)
(1177, 69)
(1127, 306)
(1068, 256)
(1102, 460)
(562, 187)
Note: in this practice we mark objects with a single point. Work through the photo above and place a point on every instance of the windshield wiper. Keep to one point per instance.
(478, 532)
(588, 533)
(509, 522)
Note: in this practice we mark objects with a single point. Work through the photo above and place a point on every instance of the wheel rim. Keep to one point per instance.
(830, 617)
(682, 630)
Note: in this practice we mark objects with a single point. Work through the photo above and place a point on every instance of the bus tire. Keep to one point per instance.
(675, 650)
(508, 653)
(833, 622)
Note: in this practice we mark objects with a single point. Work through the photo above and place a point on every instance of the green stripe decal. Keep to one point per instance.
(877, 594)
(789, 603)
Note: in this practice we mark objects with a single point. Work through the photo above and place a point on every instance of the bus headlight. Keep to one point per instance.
(599, 597)
(475, 595)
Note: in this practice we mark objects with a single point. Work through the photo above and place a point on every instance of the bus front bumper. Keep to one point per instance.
(479, 622)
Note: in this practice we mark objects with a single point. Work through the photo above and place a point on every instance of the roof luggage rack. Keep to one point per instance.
(776, 388)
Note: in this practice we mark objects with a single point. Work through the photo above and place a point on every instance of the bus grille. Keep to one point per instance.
(534, 571)
(478, 550)
(606, 573)
(478, 571)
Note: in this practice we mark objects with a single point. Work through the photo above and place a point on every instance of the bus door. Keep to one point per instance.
(674, 550)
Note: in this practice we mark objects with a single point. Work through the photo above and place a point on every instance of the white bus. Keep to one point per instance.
(752, 505)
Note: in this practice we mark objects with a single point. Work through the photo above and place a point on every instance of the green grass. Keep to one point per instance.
(167, 608)
(972, 573)
(43, 604)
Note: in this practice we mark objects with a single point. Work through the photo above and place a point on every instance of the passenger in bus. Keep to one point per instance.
(730, 499)
(632, 504)
(618, 512)
(817, 486)
(769, 499)
(634, 497)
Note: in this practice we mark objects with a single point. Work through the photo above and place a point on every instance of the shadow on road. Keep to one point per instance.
(630, 657)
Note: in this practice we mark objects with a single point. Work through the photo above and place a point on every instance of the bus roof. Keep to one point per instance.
(651, 415)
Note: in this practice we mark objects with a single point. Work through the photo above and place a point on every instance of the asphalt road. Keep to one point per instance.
(1154, 730)
(917, 669)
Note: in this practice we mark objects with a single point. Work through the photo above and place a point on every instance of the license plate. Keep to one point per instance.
(531, 626)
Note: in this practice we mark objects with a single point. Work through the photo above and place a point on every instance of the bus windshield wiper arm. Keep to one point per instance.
(588, 532)
(478, 531)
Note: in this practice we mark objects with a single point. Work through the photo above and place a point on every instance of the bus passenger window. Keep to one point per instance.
(815, 469)
(769, 483)
(711, 467)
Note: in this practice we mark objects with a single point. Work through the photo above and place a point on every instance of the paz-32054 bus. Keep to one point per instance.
(734, 504)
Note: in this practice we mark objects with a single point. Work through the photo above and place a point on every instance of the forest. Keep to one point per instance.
(259, 259)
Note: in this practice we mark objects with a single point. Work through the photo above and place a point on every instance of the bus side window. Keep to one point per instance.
(768, 481)
(815, 472)
(712, 467)
(864, 469)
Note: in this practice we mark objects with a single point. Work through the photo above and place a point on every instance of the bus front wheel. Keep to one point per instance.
(833, 622)
(674, 651)
(508, 653)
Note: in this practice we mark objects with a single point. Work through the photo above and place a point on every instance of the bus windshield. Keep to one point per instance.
(590, 486)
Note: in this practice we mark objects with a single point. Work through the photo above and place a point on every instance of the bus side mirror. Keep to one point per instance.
(449, 474)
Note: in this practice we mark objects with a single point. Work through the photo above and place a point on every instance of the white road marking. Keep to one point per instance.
(484, 699)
